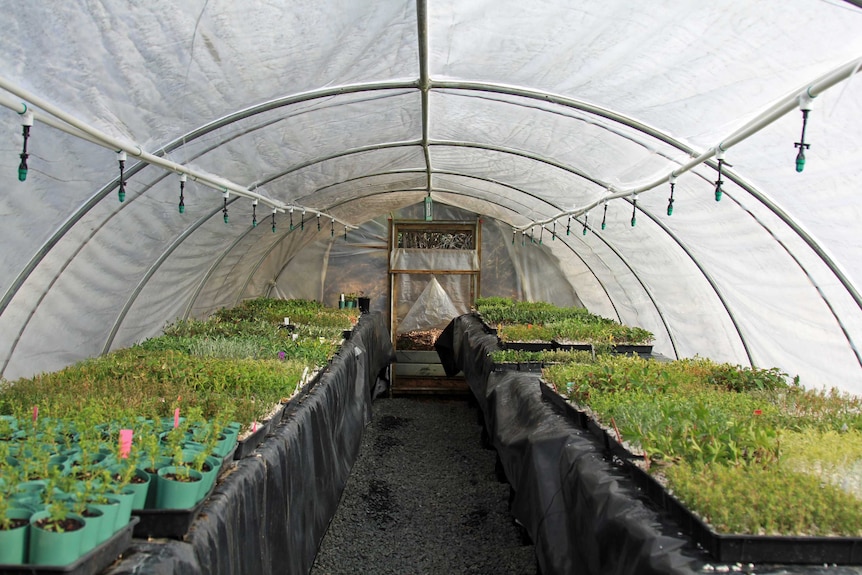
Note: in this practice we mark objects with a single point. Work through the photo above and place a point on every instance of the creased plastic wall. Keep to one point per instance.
(531, 109)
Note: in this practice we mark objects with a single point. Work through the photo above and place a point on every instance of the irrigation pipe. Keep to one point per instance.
(69, 124)
(776, 111)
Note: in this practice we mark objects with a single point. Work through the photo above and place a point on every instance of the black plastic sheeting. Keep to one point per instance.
(584, 515)
(272, 510)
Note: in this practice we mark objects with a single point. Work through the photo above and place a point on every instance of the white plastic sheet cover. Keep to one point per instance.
(531, 109)
(433, 309)
(423, 259)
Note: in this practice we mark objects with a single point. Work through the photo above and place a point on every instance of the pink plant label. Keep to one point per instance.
(176, 418)
(35, 413)
(254, 426)
(125, 443)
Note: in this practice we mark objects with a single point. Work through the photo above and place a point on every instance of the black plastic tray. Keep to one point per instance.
(582, 419)
(725, 548)
(625, 349)
(777, 549)
(174, 523)
(523, 366)
(528, 345)
(572, 346)
(245, 446)
(569, 411)
(95, 561)
(166, 523)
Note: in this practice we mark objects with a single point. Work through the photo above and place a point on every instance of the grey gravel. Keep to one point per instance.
(423, 498)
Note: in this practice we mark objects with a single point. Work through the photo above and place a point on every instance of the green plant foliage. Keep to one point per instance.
(133, 382)
(524, 332)
(495, 310)
(521, 356)
(273, 311)
(758, 500)
(552, 322)
(741, 446)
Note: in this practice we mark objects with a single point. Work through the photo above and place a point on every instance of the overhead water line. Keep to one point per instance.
(61, 120)
(776, 111)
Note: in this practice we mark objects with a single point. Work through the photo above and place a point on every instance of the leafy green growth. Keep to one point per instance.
(760, 500)
(541, 321)
(526, 333)
(785, 456)
(132, 382)
(522, 356)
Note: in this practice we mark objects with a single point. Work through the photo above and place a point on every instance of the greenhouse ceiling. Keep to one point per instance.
(545, 116)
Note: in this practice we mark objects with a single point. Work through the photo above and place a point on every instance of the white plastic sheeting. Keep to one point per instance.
(514, 111)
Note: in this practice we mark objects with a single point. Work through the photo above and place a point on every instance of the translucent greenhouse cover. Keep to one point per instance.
(565, 126)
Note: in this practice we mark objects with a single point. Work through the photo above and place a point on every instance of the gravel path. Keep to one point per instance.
(423, 498)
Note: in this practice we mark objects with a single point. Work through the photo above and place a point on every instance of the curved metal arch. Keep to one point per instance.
(796, 260)
(442, 143)
(210, 271)
(706, 276)
(647, 291)
(512, 90)
(443, 172)
(671, 141)
(473, 86)
(505, 207)
(153, 269)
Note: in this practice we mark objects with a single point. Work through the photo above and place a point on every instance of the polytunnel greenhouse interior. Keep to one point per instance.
(691, 169)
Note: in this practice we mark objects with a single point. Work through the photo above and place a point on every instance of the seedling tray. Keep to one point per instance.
(583, 420)
(95, 561)
(523, 366)
(565, 346)
(166, 523)
(173, 523)
(626, 349)
(725, 548)
(779, 549)
(528, 345)
(245, 446)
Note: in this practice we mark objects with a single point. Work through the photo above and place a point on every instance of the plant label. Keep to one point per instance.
(35, 413)
(176, 418)
(125, 443)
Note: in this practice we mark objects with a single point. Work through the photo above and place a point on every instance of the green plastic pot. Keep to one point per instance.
(232, 437)
(154, 484)
(28, 494)
(53, 548)
(224, 444)
(92, 530)
(209, 477)
(139, 501)
(175, 494)
(13, 542)
(109, 517)
(126, 496)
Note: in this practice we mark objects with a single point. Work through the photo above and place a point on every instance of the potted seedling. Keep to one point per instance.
(14, 523)
(55, 534)
(178, 484)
